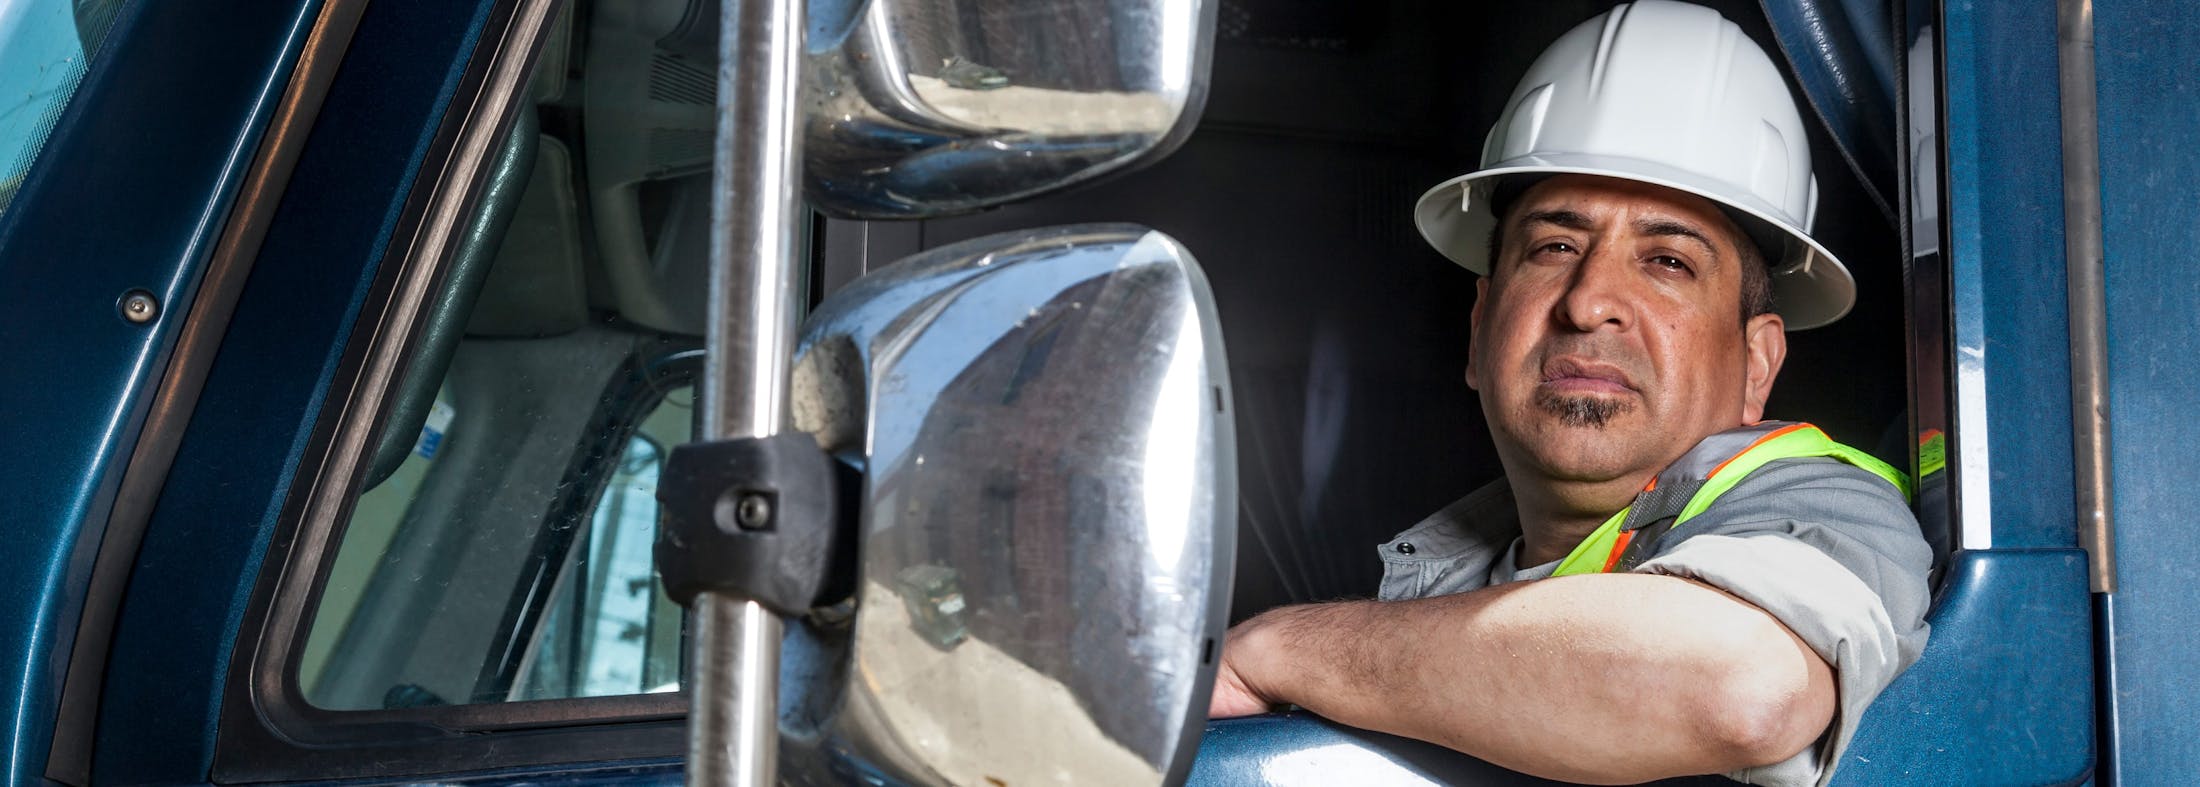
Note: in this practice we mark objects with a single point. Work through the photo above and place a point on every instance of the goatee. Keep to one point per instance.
(1589, 411)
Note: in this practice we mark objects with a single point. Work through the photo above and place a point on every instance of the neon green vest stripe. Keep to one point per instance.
(1801, 440)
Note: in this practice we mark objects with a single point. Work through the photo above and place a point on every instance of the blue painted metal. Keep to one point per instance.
(2004, 692)
(652, 774)
(130, 193)
(1842, 53)
(2149, 132)
(232, 472)
(2005, 255)
(1302, 748)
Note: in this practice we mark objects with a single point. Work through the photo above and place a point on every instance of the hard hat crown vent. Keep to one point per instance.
(1666, 93)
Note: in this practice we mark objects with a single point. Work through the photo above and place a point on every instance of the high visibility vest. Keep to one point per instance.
(1696, 480)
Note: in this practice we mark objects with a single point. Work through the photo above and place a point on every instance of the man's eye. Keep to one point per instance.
(1555, 247)
(1670, 263)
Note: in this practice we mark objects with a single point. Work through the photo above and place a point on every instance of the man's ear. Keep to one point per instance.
(1764, 348)
(1474, 331)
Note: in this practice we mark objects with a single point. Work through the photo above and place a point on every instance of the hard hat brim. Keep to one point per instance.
(1810, 287)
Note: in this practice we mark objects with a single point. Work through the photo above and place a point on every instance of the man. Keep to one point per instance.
(1663, 584)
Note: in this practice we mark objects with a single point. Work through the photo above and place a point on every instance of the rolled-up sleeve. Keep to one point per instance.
(1835, 554)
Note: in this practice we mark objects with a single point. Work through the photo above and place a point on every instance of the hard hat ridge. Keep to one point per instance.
(1670, 94)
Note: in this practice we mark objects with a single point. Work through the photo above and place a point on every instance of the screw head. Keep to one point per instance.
(753, 512)
(139, 306)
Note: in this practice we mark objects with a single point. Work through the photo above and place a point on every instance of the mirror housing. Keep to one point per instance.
(1048, 514)
(919, 108)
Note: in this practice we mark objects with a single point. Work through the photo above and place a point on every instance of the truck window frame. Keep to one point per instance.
(268, 731)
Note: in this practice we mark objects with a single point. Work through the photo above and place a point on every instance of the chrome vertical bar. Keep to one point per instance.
(755, 217)
(733, 732)
(2085, 260)
(755, 213)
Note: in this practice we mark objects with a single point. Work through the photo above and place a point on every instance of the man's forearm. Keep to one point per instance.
(1617, 678)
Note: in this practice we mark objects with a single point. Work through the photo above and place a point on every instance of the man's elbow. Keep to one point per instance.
(1763, 713)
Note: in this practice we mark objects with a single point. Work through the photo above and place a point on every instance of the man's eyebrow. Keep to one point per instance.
(1561, 217)
(1670, 228)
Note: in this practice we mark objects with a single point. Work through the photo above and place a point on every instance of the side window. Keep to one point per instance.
(499, 546)
(397, 626)
(610, 630)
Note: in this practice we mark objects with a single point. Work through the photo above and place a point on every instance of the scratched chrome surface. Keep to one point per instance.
(933, 107)
(1048, 514)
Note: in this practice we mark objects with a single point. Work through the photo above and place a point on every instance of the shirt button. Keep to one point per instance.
(1405, 547)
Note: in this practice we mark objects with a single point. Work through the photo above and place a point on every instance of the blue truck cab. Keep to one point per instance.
(343, 346)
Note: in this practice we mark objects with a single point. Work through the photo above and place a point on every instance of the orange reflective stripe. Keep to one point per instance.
(1583, 560)
(1610, 541)
(1753, 446)
(1619, 547)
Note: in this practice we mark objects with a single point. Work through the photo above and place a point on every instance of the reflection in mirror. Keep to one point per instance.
(1927, 294)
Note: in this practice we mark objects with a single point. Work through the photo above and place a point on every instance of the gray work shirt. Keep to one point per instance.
(1830, 550)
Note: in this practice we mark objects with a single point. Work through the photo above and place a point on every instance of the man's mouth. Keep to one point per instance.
(1571, 375)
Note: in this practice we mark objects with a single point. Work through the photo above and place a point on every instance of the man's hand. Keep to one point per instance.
(1537, 676)
(1259, 646)
(1231, 697)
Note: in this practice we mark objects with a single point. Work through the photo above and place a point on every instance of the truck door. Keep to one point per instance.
(145, 148)
(405, 517)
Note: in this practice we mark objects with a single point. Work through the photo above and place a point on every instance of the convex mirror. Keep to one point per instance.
(918, 108)
(1048, 512)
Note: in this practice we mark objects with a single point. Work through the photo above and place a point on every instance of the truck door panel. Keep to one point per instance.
(459, 573)
(355, 199)
(158, 176)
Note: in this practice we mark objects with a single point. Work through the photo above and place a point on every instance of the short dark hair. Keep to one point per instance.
(1756, 271)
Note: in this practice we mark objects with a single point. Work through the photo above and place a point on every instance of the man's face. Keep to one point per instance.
(1608, 338)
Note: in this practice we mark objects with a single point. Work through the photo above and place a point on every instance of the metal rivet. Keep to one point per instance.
(1405, 547)
(139, 306)
(754, 512)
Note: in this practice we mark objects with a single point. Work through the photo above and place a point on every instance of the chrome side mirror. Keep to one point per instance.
(918, 108)
(1048, 511)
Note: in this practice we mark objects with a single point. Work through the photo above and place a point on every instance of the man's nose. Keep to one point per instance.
(1596, 294)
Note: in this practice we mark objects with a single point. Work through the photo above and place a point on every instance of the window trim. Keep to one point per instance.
(268, 731)
(69, 757)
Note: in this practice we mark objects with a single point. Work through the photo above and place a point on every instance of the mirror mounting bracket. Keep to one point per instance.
(758, 518)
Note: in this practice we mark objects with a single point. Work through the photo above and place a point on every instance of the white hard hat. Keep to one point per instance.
(1670, 94)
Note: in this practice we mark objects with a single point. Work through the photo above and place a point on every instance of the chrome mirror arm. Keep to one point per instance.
(755, 213)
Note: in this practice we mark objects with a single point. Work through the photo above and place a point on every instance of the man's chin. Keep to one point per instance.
(1585, 464)
(1592, 448)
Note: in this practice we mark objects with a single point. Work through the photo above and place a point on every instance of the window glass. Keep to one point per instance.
(44, 45)
(508, 557)
(501, 547)
(611, 630)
